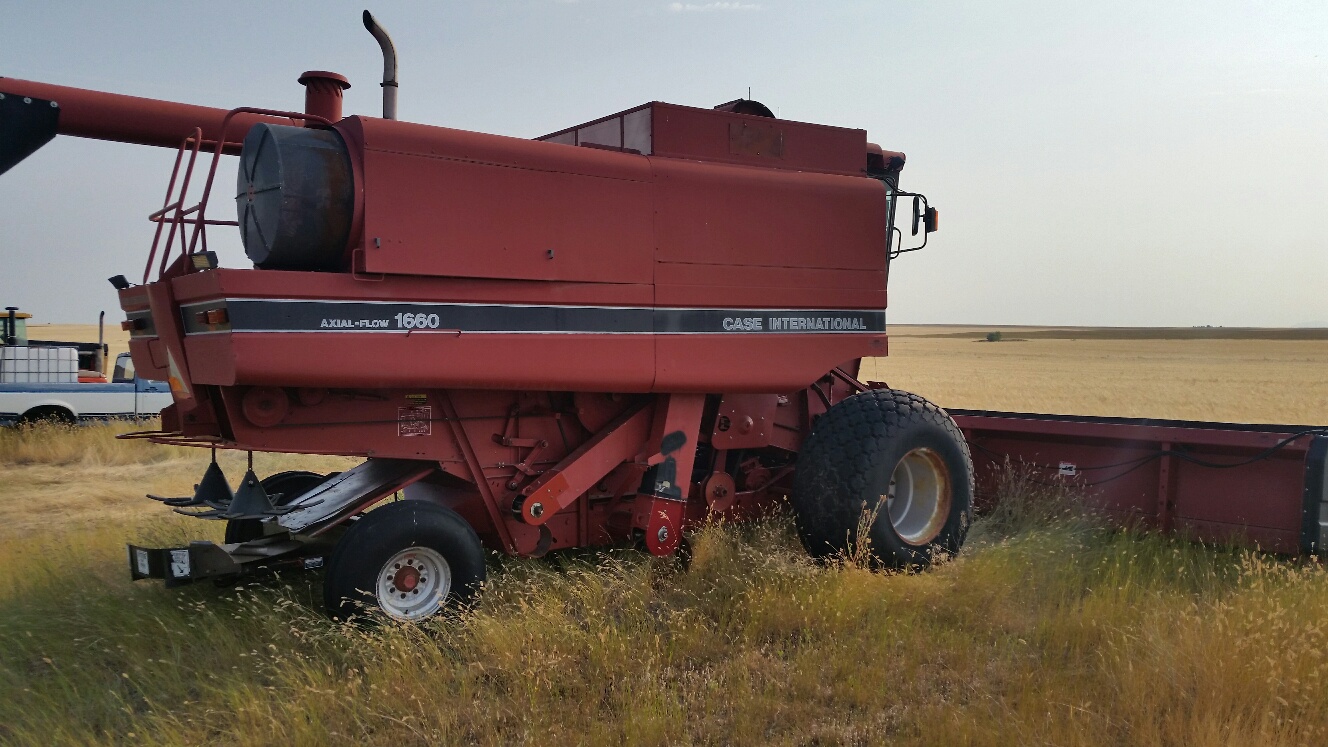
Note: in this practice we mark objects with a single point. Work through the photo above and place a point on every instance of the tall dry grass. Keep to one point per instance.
(1048, 629)
(50, 443)
(61, 478)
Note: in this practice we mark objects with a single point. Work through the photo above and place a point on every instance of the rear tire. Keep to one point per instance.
(408, 560)
(53, 414)
(891, 445)
(290, 485)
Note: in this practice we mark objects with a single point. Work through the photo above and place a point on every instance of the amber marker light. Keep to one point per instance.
(212, 316)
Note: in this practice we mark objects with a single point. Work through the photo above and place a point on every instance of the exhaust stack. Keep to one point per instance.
(389, 65)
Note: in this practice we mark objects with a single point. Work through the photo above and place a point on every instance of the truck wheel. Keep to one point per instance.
(892, 446)
(290, 485)
(408, 559)
(49, 414)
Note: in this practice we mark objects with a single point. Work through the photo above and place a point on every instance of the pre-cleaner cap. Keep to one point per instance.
(295, 197)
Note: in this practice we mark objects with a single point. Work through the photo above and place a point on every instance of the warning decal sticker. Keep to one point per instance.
(414, 421)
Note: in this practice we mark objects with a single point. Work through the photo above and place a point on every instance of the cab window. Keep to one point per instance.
(124, 368)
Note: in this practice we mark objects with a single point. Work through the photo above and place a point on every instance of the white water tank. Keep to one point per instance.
(23, 364)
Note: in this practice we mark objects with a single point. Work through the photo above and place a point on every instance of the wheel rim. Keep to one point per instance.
(413, 583)
(919, 497)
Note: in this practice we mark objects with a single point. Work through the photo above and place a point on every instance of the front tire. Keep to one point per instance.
(895, 458)
(408, 559)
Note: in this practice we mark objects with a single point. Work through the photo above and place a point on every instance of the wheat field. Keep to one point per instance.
(1185, 374)
(1048, 630)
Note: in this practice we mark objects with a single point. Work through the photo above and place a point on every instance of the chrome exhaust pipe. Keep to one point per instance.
(389, 65)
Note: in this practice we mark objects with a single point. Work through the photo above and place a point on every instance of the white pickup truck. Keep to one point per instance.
(126, 396)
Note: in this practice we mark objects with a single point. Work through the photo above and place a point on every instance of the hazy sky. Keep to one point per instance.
(1124, 163)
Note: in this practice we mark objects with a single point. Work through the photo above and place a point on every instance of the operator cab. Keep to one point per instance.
(15, 331)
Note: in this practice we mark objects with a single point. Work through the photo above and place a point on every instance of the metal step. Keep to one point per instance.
(298, 547)
(329, 502)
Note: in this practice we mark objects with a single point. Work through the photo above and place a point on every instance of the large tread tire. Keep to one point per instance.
(364, 552)
(290, 485)
(846, 468)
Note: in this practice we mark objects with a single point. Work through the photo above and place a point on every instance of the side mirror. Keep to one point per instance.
(926, 219)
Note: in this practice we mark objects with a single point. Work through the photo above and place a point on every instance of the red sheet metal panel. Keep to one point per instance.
(610, 363)
(696, 284)
(725, 216)
(447, 202)
(734, 363)
(1259, 485)
(418, 357)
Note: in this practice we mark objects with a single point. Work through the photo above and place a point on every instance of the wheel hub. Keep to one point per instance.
(919, 496)
(406, 579)
(414, 583)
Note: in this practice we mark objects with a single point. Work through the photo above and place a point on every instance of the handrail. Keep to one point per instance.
(178, 216)
(196, 138)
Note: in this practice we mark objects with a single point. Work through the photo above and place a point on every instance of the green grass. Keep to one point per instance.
(1047, 630)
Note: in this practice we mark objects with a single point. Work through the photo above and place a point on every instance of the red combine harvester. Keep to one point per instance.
(608, 334)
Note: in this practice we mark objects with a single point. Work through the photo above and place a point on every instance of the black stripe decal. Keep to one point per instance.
(253, 315)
